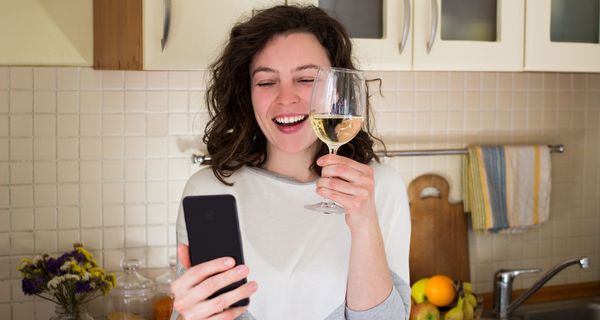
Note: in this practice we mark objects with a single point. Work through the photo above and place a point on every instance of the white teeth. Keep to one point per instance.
(288, 120)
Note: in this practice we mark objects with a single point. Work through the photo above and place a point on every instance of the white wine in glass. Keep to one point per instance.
(338, 106)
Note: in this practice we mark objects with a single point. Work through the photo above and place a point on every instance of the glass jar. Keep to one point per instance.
(163, 300)
(131, 299)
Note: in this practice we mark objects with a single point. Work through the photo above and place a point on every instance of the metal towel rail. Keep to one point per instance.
(558, 148)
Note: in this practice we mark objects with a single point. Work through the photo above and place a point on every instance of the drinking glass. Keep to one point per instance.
(338, 105)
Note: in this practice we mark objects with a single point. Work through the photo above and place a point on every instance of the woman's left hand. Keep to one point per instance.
(350, 184)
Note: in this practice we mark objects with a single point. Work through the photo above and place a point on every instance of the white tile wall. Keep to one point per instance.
(96, 156)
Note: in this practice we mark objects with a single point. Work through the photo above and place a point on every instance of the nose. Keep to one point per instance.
(287, 94)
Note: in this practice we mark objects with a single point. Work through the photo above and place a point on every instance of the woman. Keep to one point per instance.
(300, 264)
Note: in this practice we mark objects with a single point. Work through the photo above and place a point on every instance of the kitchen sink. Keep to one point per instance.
(579, 309)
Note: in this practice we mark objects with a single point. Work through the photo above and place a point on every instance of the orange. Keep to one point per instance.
(440, 290)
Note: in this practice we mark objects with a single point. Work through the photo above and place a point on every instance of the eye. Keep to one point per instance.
(265, 83)
(306, 80)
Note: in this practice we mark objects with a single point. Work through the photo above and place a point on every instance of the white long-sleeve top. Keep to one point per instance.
(300, 258)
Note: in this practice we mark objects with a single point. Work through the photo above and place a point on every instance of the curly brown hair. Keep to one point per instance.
(232, 135)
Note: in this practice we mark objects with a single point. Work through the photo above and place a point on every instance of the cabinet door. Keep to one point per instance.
(198, 30)
(391, 49)
(562, 35)
(482, 35)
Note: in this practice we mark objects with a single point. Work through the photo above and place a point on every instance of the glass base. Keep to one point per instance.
(327, 207)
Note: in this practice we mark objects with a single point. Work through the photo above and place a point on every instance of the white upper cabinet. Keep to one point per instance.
(380, 30)
(165, 34)
(482, 35)
(197, 31)
(562, 35)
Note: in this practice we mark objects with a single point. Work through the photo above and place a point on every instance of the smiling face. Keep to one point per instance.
(281, 78)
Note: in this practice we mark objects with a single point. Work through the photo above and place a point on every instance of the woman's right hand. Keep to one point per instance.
(192, 289)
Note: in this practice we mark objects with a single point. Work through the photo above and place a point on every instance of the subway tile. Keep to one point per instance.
(135, 147)
(113, 216)
(44, 78)
(43, 308)
(21, 172)
(5, 295)
(68, 194)
(91, 216)
(90, 101)
(92, 239)
(178, 80)
(112, 101)
(5, 224)
(21, 243)
(198, 80)
(44, 125)
(157, 214)
(112, 170)
(178, 124)
(68, 171)
(20, 126)
(4, 107)
(44, 101)
(91, 193)
(112, 124)
(156, 80)
(90, 125)
(178, 167)
(113, 238)
(21, 101)
(46, 241)
(157, 235)
(66, 239)
(197, 101)
(156, 125)
(91, 148)
(45, 218)
(90, 79)
(488, 81)
(21, 219)
(175, 190)
(21, 149)
(135, 101)
(178, 101)
(135, 237)
(135, 170)
(135, 214)
(21, 78)
(157, 101)
(4, 243)
(67, 102)
(112, 192)
(68, 217)
(135, 124)
(44, 148)
(4, 78)
(21, 196)
(67, 78)
(112, 147)
(135, 80)
(45, 195)
(550, 81)
(112, 79)
(68, 148)
(67, 125)
(156, 192)
(135, 192)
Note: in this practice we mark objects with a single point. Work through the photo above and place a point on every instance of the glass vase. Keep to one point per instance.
(71, 312)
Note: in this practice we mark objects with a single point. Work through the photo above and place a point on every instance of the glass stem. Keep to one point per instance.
(326, 201)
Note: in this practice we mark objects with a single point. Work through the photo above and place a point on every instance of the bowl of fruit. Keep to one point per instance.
(441, 298)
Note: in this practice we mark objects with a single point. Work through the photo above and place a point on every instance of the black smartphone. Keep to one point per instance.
(214, 232)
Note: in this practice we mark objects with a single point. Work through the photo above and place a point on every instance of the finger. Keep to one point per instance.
(218, 305)
(213, 284)
(347, 173)
(349, 202)
(228, 314)
(342, 186)
(223, 301)
(330, 159)
(183, 253)
(199, 273)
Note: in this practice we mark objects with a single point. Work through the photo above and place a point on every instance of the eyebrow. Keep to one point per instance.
(267, 69)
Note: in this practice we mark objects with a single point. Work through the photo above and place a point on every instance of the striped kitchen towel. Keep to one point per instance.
(507, 188)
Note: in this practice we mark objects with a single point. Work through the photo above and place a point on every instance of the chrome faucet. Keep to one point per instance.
(503, 279)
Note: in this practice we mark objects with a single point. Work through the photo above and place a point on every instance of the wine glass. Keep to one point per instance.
(337, 111)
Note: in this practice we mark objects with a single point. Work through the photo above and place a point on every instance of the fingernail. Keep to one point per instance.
(229, 262)
(320, 161)
(252, 285)
(240, 269)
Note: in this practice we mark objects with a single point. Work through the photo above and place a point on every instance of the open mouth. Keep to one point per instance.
(289, 121)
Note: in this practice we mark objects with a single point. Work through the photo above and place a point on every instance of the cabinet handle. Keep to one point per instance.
(406, 25)
(434, 25)
(166, 23)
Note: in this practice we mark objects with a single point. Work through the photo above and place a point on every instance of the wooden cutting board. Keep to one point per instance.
(439, 240)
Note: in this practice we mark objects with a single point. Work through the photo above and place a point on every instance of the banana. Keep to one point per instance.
(468, 311)
(456, 313)
(468, 287)
(471, 299)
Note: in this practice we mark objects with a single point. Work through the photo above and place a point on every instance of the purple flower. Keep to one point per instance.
(83, 287)
(32, 286)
